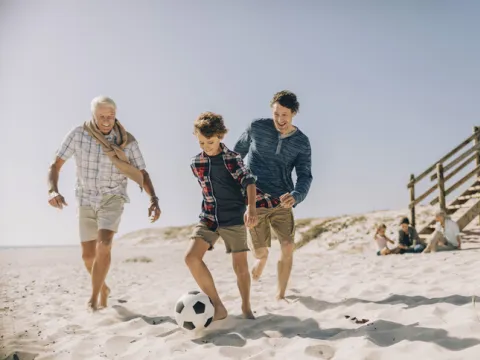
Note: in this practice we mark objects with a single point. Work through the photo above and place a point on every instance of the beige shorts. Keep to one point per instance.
(234, 237)
(282, 222)
(106, 216)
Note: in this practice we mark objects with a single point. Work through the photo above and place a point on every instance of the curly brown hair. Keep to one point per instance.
(210, 124)
(287, 99)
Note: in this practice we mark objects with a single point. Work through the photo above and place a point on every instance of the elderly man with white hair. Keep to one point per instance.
(446, 235)
(106, 155)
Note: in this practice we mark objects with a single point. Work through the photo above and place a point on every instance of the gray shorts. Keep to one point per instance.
(106, 216)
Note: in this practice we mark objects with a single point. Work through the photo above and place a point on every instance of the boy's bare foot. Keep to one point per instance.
(257, 269)
(220, 313)
(282, 297)
(104, 296)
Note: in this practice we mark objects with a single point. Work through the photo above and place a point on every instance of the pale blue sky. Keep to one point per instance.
(385, 87)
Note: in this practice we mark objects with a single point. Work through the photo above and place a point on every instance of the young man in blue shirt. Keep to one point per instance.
(275, 147)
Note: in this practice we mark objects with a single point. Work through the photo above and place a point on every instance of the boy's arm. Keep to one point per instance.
(244, 176)
(303, 169)
(243, 143)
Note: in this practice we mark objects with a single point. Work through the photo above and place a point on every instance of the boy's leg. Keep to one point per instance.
(235, 238)
(283, 224)
(260, 239)
(203, 240)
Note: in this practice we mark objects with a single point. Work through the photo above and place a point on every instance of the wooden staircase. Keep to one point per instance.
(466, 206)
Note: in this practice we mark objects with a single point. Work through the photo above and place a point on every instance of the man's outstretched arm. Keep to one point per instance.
(55, 199)
(243, 143)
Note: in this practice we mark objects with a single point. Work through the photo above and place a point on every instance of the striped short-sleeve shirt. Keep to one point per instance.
(96, 174)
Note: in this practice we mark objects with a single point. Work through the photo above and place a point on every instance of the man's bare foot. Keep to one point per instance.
(257, 269)
(93, 305)
(282, 297)
(104, 296)
(220, 313)
(248, 314)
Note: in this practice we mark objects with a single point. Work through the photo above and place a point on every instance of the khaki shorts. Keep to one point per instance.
(282, 222)
(234, 237)
(104, 217)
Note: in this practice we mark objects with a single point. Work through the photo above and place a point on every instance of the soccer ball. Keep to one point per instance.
(194, 311)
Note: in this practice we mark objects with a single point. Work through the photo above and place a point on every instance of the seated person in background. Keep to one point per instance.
(408, 239)
(382, 240)
(446, 235)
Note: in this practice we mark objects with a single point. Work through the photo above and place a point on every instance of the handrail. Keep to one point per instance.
(422, 197)
(457, 184)
(457, 160)
(442, 160)
(443, 173)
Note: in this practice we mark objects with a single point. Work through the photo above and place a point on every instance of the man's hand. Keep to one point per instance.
(56, 200)
(154, 210)
(287, 200)
(250, 217)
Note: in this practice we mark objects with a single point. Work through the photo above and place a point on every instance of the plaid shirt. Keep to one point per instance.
(233, 162)
(96, 174)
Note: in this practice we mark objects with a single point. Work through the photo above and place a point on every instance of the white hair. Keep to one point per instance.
(102, 101)
(441, 213)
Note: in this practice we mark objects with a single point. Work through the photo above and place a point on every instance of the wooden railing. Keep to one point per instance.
(442, 172)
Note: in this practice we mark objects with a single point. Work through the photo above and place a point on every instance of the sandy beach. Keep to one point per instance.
(344, 301)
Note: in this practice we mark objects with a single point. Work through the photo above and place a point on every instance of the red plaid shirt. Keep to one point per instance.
(233, 162)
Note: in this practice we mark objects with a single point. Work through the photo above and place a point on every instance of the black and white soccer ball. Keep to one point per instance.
(194, 311)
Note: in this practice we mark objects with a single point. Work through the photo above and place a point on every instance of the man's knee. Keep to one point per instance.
(287, 249)
(89, 251)
(260, 253)
(240, 264)
(105, 237)
(88, 256)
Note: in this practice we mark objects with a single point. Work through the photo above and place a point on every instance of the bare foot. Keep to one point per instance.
(257, 269)
(104, 296)
(220, 313)
(282, 297)
(248, 314)
(93, 305)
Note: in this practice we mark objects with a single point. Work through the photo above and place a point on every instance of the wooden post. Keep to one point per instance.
(441, 187)
(412, 199)
(476, 140)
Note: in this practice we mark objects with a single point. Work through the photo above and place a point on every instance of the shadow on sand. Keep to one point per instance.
(382, 333)
(410, 302)
(127, 315)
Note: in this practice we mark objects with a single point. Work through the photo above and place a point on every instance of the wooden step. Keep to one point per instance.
(471, 214)
(456, 207)
(468, 197)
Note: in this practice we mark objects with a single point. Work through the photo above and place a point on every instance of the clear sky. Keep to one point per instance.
(385, 89)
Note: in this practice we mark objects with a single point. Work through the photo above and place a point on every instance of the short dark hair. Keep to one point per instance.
(210, 124)
(405, 221)
(287, 99)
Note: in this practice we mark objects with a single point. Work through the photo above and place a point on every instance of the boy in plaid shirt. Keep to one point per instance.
(230, 198)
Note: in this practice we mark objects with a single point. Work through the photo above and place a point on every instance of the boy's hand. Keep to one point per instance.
(250, 217)
(287, 200)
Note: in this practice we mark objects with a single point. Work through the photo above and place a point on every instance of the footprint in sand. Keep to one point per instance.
(320, 351)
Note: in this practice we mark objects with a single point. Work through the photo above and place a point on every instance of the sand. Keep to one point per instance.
(344, 302)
